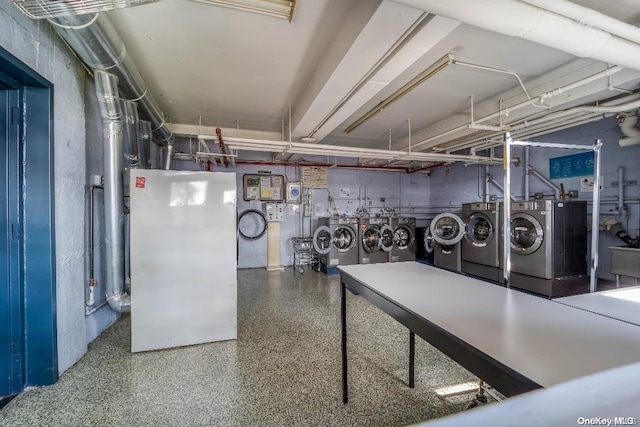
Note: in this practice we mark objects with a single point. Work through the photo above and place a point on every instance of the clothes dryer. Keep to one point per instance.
(404, 239)
(336, 241)
(481, 246)
(549, 247)
(375, 238)
(447, 230)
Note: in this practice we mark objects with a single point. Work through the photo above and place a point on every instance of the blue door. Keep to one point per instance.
(28, 352)
(11, 377)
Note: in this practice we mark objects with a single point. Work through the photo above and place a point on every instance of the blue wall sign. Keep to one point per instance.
(581, 164)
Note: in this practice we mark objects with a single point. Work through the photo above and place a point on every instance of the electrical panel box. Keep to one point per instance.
(275, 211)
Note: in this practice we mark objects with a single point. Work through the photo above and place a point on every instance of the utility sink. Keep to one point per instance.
(625, 261)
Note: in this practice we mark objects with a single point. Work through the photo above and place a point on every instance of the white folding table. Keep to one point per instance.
(514, 341)
(621, 304)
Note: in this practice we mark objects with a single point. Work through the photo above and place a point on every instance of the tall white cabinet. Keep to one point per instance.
(183, 258)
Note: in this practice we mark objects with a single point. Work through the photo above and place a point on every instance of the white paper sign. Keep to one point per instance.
(344, 193)
(586, 184)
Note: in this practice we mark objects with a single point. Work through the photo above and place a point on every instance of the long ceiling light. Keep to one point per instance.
(416, 81)
(278, 8)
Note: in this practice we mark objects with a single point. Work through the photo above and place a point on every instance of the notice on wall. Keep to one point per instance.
(581, 164)
(318, 210)
(315, 176)
(587, 184)
(263, 187)
(344, 193)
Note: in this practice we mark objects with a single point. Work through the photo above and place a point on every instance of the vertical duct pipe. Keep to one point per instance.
(110, 107)
(131, 135)
(144, 149)
(487, 175)
(169, 157)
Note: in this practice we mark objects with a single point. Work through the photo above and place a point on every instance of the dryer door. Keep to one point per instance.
(344, 238)
(386, 238)
(527, 234)
(322, 240)
(447, 229)
(403, 236)
(371, 239)
(480, 230)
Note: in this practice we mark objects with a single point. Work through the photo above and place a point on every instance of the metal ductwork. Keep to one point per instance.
(113, 133)
(97, 43)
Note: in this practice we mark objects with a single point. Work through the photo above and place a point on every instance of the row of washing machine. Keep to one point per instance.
(548, 244)
(364, 240)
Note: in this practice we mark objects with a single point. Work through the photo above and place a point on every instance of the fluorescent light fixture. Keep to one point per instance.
(278, 8)
(415, 82)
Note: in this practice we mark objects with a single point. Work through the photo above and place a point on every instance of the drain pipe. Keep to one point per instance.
(628, 126)
(546, 180)
(622, 213)
(113, 128)
(496, 184)
(526, 173)
(168, 156)
(487, 176)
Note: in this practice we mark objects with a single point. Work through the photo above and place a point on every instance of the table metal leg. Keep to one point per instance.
(343, 318)
(412, 358)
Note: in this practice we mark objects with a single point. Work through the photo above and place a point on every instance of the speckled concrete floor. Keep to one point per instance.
(283, 370)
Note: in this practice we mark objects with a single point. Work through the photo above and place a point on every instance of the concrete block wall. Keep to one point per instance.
(36, 44)
(460, 184)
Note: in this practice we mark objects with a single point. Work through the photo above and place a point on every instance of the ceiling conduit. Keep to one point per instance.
(97, 43)
(518, 19)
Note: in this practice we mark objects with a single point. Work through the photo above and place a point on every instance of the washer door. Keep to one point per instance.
(447, 229)
(322, 240)
(527, 234)
(371, 239)
(386, 238)
(402, 236)
(480, 230)
(344, 238)
(429, 242)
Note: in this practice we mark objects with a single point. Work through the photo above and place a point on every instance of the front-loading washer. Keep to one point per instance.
(404, 239)
(375, 240)
(447, 230)
(549, 247)
(482, 243)
(336, 241)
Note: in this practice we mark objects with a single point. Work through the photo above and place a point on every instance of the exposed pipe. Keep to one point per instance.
(117, 298)
(487, 175)
(589, 17)
(517, 19)
(98, 44)
(92, 279)
(621, 211)
(629, 127)
(169, 156)
(546, 180)
(131, 141)
(431, 141)
(527, 177)
(496, 184)
(145, 139)
(106, 91)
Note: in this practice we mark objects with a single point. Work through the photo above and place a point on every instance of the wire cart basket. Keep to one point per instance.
(303, 253)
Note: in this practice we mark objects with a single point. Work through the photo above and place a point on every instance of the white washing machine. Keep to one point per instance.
(336, 241)
(375, 238)
(482, 243)
(549, 247)
(447, 230)
(404, 239)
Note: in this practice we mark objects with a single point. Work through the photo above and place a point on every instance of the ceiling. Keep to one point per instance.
(209, 66)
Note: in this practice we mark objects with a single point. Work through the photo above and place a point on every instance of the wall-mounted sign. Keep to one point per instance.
(263, 187)
(315, 176)
(581, 164)
(294, 192)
